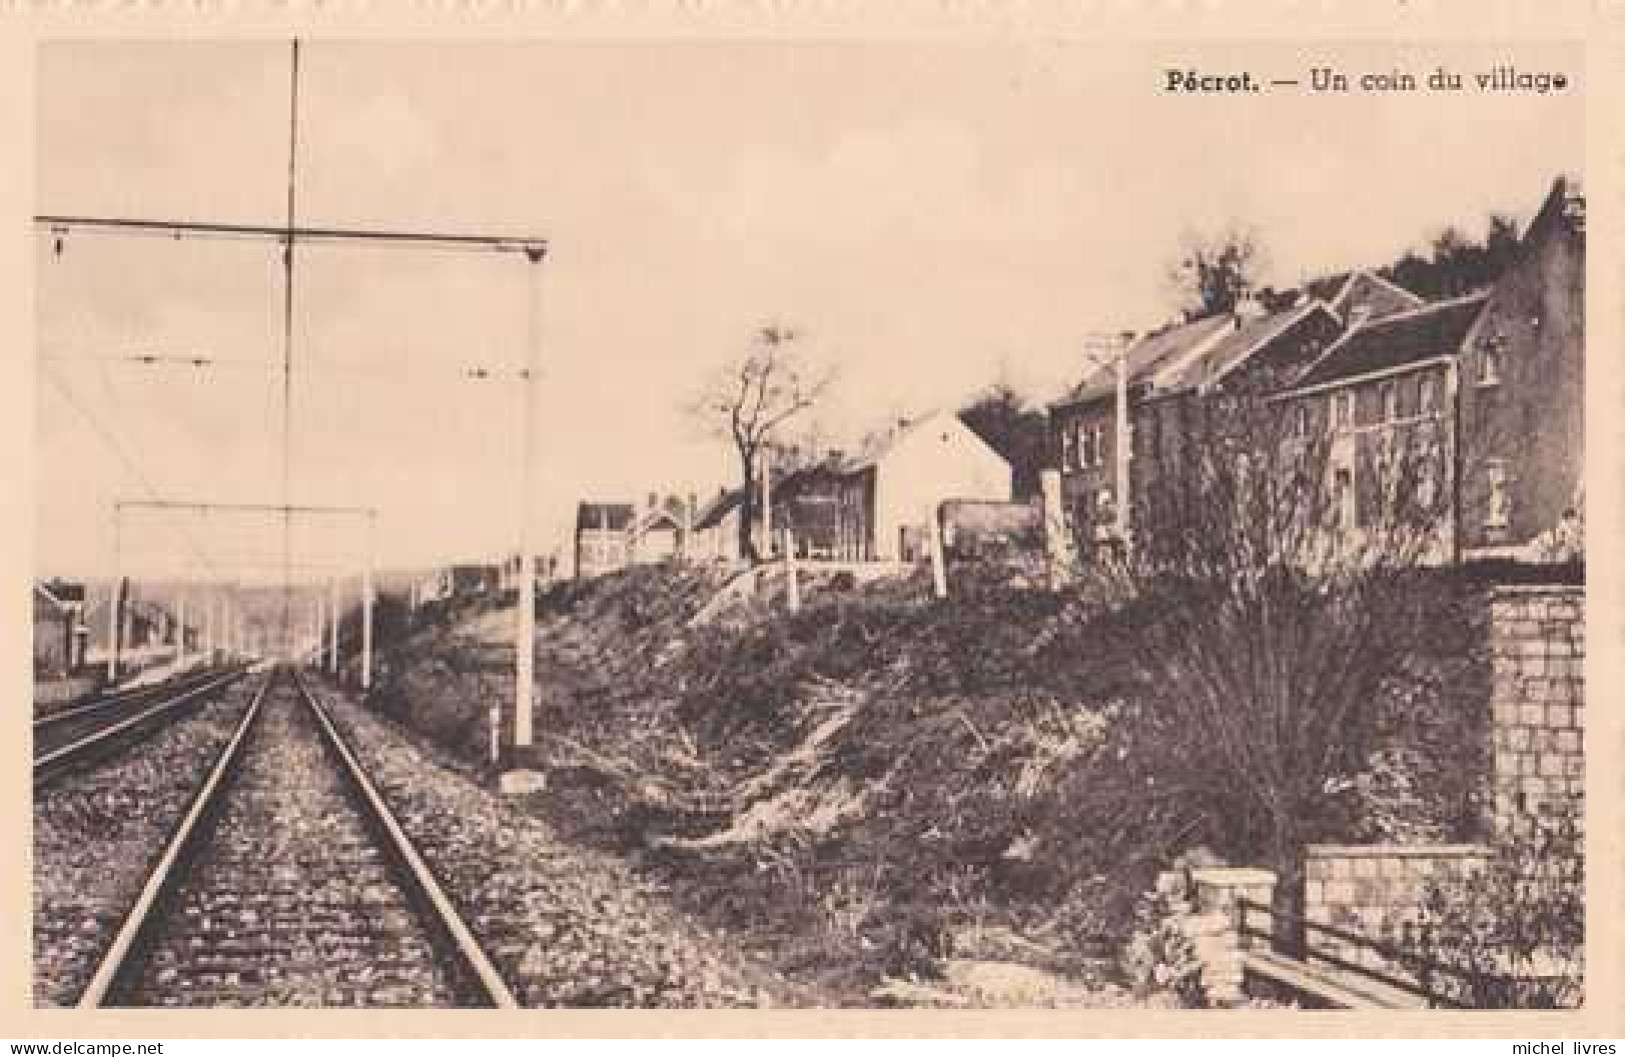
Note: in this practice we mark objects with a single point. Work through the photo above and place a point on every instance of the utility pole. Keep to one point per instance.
(366, 603)
(1111, 352)
(525, 625)
(1121, 508)
(180, 630)
(333, 628)
(115, 601)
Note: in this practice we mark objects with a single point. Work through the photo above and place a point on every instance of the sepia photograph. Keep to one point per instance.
(760, 524)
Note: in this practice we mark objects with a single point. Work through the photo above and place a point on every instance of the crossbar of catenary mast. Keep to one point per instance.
(271, 508)
(182, 228)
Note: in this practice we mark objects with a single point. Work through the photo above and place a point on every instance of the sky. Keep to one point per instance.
(931, 218)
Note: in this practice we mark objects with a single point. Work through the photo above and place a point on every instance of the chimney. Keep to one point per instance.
(834, 457)
(654, 500)
(1247, 306)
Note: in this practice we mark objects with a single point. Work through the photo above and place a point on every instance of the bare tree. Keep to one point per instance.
(751, 399)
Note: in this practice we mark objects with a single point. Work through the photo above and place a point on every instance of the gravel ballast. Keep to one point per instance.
(97, 833)
(565, 925)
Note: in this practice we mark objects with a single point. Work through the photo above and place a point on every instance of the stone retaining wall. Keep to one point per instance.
(1537, 644)
(1374, 890)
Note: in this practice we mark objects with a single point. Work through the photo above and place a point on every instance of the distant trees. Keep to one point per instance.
(1015, 429)
(750, 398)
(1456, 263)
(1214, 270)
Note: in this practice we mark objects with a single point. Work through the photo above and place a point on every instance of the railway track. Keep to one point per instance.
(65, 740)
(289, 883)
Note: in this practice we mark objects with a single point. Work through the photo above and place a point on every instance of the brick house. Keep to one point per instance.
(1084, 423)
(1494, 381)
(1386, 386)
(807, 501)
(1523, 393)
(1258, 347)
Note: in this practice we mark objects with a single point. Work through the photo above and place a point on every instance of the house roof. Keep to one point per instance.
(651, 516)
(1151, 353)
(59, 593)
(613, 516)
(1433, 330)
(878, 448)
(724, 503)
(796, 480)
(1329, 288)
(1234, 348)
(1354, 280)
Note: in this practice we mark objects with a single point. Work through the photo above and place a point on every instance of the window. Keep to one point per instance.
(1498, 509)
(1069, 448)
(1390, 402)
(1300, 421)
(1105, 516)
(1100, 445)
(1342, 410)
(1427, 483)
(1427, 395)
(1343, 497)
(1489, 362)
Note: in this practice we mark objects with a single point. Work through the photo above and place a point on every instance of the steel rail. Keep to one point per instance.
(51, 764)
(476, 961)
(125, 696)
(165, 874)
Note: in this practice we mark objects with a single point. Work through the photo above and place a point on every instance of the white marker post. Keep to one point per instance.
(939, 571)
(792, 581)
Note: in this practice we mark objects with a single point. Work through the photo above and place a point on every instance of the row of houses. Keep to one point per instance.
(1492, 382)
(71, 630)
(874, 505)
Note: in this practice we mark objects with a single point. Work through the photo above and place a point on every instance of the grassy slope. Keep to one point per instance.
(862, 788)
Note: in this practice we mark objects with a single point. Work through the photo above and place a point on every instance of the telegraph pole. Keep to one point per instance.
(1115, 349)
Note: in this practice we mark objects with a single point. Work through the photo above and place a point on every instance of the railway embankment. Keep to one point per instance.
(886, 797)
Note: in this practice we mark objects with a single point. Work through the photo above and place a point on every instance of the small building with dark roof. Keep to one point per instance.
(602, 544)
